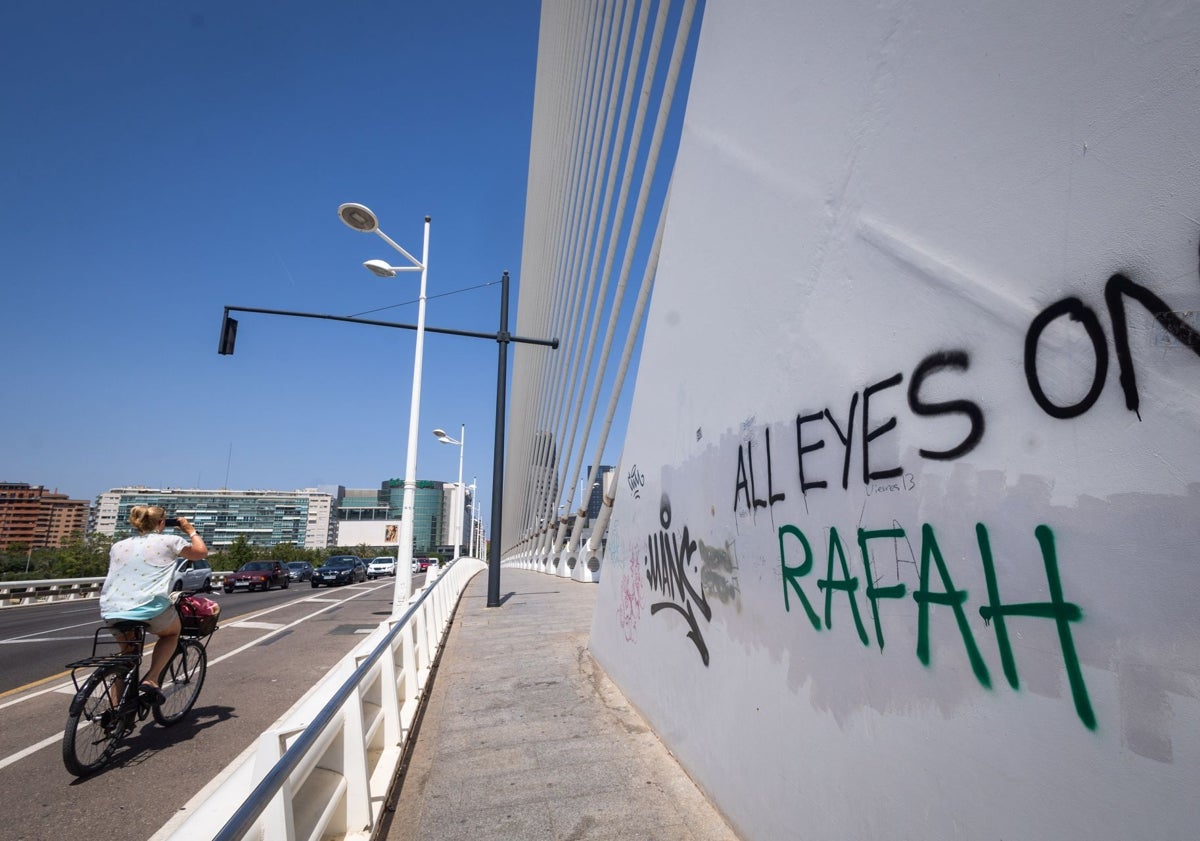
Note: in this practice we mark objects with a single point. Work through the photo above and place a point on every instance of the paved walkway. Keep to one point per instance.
(525, 738)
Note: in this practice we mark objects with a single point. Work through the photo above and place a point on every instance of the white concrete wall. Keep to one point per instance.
(895, 224)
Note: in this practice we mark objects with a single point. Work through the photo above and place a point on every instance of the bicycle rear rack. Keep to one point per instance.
(117, 658)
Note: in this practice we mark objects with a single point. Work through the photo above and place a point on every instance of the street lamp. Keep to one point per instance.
(360, 218)
(471, 539)
(459, 504)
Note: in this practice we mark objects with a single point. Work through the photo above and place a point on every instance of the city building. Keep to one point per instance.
(456, 508)
(595, 498)
(368, 517)
(38, 519)
(321, 530)
(372, 517)
(306, 518)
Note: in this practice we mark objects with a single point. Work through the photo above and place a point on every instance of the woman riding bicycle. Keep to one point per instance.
(138, 585)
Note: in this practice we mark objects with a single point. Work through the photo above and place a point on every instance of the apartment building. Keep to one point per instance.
(33, 516)
(306, 518)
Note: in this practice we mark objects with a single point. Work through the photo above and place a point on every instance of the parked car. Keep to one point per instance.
(262, 575)
(299, 571)
(192, 576)
(340, 569)
(383, 565)
(421, 564)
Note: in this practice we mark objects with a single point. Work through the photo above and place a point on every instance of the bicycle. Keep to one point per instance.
(109, 702)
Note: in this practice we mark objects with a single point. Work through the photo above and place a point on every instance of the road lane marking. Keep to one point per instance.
(260, 626)
(21, 754)
(26, 637)
(31, 685)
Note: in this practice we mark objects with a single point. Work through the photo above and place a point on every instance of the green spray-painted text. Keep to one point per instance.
(995, 612)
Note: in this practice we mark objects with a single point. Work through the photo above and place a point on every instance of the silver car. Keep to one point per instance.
(192, 576)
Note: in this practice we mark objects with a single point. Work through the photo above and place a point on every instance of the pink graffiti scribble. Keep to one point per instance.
(630, 608)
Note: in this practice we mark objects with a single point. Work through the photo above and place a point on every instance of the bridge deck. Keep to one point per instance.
(525, 737)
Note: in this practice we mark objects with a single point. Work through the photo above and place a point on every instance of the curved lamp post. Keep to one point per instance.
(459, 504)
(360, 218)
(471, 539)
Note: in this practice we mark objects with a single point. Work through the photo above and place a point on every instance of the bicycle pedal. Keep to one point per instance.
(148, 695)
(124, 723)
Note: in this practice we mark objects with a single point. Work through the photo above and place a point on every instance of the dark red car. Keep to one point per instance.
(258, 575)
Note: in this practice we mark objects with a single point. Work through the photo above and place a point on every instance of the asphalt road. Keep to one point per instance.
(270, 650)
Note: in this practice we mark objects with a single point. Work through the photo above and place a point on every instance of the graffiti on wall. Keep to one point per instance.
(636, 481)
(763, 480)
(856, 427)
(839, 583)
(835, 580)
(629, 609)
(671, 563)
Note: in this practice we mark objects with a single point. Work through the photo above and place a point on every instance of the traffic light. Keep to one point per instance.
(228, 335)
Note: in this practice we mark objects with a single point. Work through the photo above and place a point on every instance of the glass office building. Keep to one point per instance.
(430, 514)
(594, 491)
(427, 518)
(265, 518)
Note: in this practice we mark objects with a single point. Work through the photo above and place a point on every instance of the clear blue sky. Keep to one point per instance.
(163, 160)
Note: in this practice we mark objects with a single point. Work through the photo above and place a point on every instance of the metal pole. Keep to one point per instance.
(460, 506)
(404, 553)
(471, 536)
(502, 339)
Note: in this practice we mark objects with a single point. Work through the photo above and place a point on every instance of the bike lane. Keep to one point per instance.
(260, 664)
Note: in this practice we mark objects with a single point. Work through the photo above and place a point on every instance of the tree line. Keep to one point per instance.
(83, 556)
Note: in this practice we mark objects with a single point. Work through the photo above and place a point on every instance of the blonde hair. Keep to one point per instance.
(145, 518)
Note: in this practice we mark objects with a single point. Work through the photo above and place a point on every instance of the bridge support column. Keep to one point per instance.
(588, 568)
(559, 552)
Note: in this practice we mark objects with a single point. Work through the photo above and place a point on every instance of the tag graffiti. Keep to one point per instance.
(636, 482)
(668, 560)
(630, 608)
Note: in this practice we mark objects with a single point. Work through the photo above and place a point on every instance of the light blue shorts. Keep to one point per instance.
(159, 615)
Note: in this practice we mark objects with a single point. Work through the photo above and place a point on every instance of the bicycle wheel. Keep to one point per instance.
(94, 727)
(181, 681)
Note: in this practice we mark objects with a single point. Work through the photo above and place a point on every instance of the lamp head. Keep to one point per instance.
(446, 439)
(380, 268)
(359, 217)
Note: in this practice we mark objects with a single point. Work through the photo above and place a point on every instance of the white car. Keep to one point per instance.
(192, 576)
(382, 565)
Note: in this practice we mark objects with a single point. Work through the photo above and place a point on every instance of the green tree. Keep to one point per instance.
(288, 552)
(240, 551)
(14, 561)
(81, 557)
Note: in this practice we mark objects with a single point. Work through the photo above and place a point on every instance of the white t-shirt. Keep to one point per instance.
(140, 569)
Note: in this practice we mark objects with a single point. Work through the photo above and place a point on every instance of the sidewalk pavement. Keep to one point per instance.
(524, 737)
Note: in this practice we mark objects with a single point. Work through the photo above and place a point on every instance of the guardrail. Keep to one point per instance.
(14, 593)
(324, 769)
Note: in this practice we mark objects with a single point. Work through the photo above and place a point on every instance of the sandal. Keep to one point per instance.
(152, 693)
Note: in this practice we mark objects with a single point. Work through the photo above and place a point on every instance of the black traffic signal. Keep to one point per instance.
(228, 335)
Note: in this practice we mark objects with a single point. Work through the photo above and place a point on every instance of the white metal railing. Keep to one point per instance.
(323, 770)
(14, 593)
